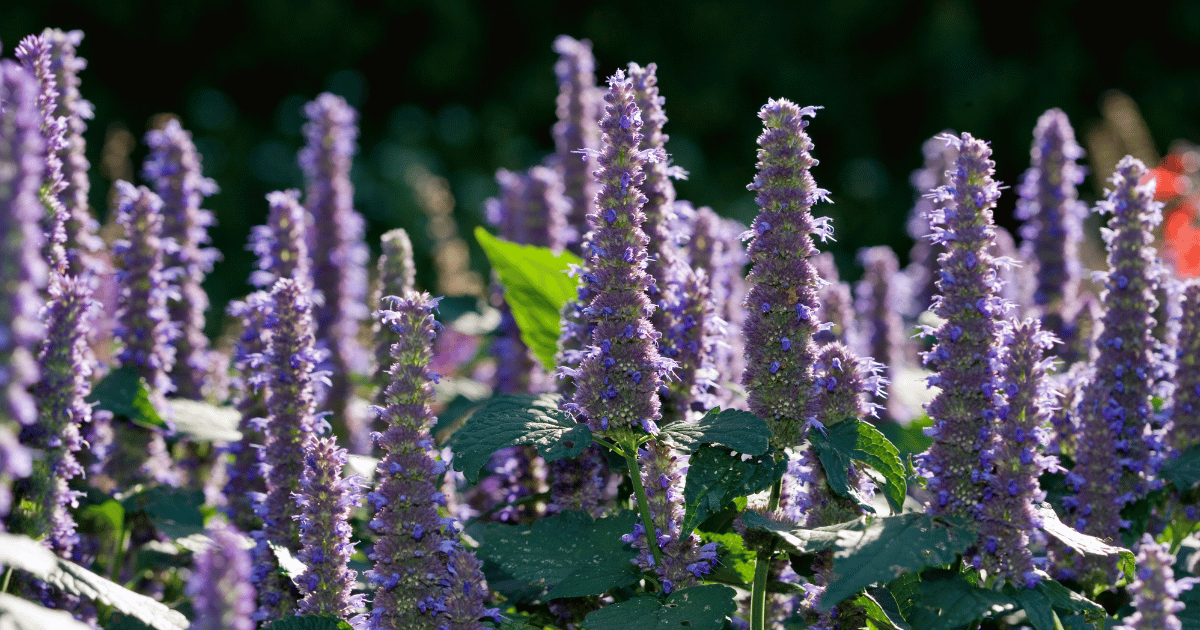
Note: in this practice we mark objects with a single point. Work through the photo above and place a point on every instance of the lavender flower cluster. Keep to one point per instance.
(665, 327)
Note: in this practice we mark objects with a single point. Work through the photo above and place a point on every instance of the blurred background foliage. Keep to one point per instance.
(455, 89)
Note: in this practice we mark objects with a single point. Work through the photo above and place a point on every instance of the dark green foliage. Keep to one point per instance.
(699, 608)
(738, 430)
(856, 440)
(512, 419)
(716, 477)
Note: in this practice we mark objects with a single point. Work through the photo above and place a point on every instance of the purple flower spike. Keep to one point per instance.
(1155, 590)
(579, 108)
(280, 244)
(782, 300)
(1017, 455)
(339, 255)
(419, 573)
(1185, 431)
(621, 373)
(1116, 451)
(83, 242)
(220, 587)
(246, 477)
(34, 54)
(173, 167)
(326, 500)
(1053, 217)
(969, 302)
(397, 276)
(63, 411)
(715, 247)
(692, 335)
(877, 299)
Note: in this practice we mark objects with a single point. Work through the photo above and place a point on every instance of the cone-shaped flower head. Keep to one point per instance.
(782, 302)
(969, 303)
(280, 244)
(339, 254)
(81, 227)
(63, 411)
(220, 587)
(34, 54)
(1155, 591)
(424, 579)
(578, 108)
(619, 377)
(1116, 449)
(1017, 454)
(326, 500)
(1053, 217)
(397, 276)
(173, 166)
(1185, 431)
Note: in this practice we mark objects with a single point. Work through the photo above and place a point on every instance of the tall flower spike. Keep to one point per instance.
(1116, 452)
(397, 276)
(423, 577)
(173, 167)
(82, 242)
(281, 243)
(878, 317)
(1017, 456)
(220, 587)
(620, 375)
(245, 476)
(326, 500)
(578, 110)
(1155, 590)
(1185, 431)
(969, 302)
(291, 362)
(716, 248)
(782, 302)
(692, 335)
(66, 367)
(1053, 217)
(34, 54)
(23, 272)
(339, 255)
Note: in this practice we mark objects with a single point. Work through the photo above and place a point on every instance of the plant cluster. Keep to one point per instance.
(668, 419)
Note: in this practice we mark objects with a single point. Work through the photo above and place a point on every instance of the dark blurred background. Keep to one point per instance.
(459, 88)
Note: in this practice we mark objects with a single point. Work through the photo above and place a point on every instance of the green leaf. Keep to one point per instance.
(1183, 472)
(738, 430)
(736, 563)
(886, 547)
(796, 540)
(512, 419)
(705, 607)
(25, 553)
(173, 511)
(125, 393)
(1090, 622)
(1083, 543)
(944, 604)
(536, 286)
(1190, 615)
(882, 609)
(904, 588)
(205, 422)
(72, 578)
(1064, 598)
(1036, 604)
(309, 622)
(910, 438)
(715, 478)
(853, 439)
(568, 553)
(18, 614)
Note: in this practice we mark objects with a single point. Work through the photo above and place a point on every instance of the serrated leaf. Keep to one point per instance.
(309, 622)
(704, 607)
(569, 553)
(736, 563)
(1036, 604)
(173, 511)
(1064, 598)
(1183, 472)
(903, 589)
(715, 478)
(950, 603)
(1083, 543)
(536, 286)
(25, 553)
(853, 439)
(125, 393)
(205, 422)
(72, 578)
(882, 609)
(512, 419)
(886, 547)
(797, 540)
(735, 429)
(18, 614)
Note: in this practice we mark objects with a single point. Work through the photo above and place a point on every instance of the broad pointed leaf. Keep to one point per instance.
(946, 604)
(205, 422)
(308, 622)
(705, 607)
(125, 393)
(72, 578)
(882, 609)
(18, 614)
(853, 439)
(536, 285)
(737, 430)
(512, 419)
(715, 478)
(1036, 604)
(797, 540)
(1183, 472)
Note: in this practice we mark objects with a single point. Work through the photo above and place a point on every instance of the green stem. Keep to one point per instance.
(762, 569)
(7, 577)
(635, 473)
